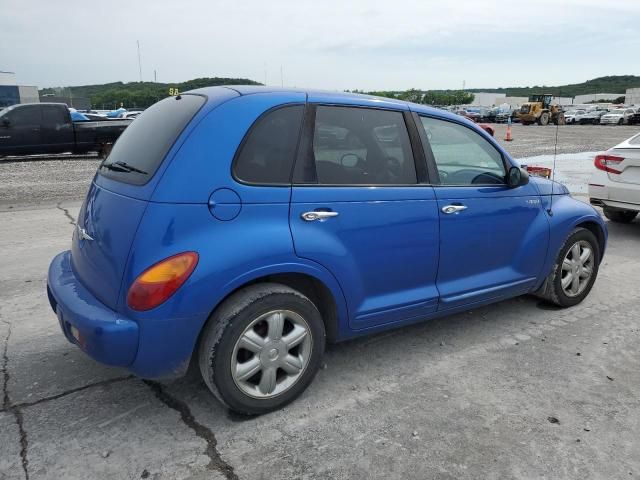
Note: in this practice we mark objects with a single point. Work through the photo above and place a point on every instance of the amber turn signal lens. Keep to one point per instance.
(158, 282)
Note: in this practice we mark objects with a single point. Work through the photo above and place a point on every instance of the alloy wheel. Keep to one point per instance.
(271, 354)
(577, 268)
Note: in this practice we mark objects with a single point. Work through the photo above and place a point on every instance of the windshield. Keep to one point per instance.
(619, 111)
(143, 145)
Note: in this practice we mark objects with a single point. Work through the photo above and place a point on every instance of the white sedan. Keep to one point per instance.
(615, 185)
(618, 116)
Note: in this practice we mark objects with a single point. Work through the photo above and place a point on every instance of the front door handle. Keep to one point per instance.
(318, 215)
(448, 209)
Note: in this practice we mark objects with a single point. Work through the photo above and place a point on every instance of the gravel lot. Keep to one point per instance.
(44, 181)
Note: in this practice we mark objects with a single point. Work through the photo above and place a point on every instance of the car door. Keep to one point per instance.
(57, 129)
(493, 239)
(361, 209)
(20, 130)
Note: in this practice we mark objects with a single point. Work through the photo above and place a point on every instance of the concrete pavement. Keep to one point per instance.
(475, 395)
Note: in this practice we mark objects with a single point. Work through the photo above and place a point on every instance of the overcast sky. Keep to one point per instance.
(330, 44)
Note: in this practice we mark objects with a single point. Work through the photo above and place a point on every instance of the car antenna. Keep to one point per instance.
(555, 154)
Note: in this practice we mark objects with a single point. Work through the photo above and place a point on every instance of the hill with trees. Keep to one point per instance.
(611, 84)
(144, 94)
(138, 94)
(617, 84)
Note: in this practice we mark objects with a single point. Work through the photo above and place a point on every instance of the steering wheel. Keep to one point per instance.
(487, 177)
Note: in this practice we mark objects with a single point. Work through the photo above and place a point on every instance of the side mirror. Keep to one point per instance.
(517, 177)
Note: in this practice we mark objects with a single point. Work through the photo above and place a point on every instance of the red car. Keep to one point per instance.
(487, 128)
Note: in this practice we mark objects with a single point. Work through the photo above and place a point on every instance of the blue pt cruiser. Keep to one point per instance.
(243, 227)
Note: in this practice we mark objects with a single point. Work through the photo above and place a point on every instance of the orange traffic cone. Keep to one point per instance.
(508, 136)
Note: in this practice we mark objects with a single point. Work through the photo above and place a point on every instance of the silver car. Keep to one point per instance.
(615, 185)
(617, 116)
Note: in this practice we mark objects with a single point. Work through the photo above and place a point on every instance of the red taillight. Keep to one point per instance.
(158, 282)
(607, 162)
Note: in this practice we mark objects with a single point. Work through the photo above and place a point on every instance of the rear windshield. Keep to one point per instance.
(141, 148)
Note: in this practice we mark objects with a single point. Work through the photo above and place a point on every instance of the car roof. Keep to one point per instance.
(326, 96)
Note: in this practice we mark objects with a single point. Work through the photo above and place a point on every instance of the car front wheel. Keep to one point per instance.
(619, 216)
(261, 348)
(575, 270)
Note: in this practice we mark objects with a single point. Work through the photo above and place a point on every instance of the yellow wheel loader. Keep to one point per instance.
(539, 110)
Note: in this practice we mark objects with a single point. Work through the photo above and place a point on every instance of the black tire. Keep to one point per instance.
(543, 119)
(227, 324)
(621, 121)
(551, 290)
(619, 216)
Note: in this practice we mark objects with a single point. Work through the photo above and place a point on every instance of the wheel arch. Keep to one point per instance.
(315, 283)
(597, 230)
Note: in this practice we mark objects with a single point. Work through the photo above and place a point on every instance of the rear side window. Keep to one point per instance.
(362, 146)
(143, 145)
(53, 116)
(268, 151)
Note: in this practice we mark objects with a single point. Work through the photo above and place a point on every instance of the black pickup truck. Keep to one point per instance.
(32, 128)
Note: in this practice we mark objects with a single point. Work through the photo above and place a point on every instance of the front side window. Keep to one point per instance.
(21, 116)
(267, 154)
(361, 146)
(462, 156)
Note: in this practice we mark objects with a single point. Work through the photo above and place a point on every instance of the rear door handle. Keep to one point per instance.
(317, 215)
(448, 209)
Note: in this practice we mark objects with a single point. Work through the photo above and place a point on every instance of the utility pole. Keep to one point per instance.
(155, 77)
(139, 62)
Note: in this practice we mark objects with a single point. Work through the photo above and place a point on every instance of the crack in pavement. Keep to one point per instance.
(72, 220)
(24, 442)
(109, 381)
(5, 371)
(6, 404)
(215, 460)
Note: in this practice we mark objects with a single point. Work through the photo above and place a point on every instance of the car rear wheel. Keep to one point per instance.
(261, 348)
(621, 121)
(575, 270)
(619, 216)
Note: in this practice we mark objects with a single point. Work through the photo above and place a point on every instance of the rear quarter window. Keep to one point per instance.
(141, 148)
(268, 151)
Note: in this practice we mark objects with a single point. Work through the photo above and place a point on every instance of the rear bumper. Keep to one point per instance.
(156, 346)
(86, 322)
(604, 192)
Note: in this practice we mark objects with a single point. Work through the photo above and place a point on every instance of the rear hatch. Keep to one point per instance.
(119, 194)
(629, 168)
